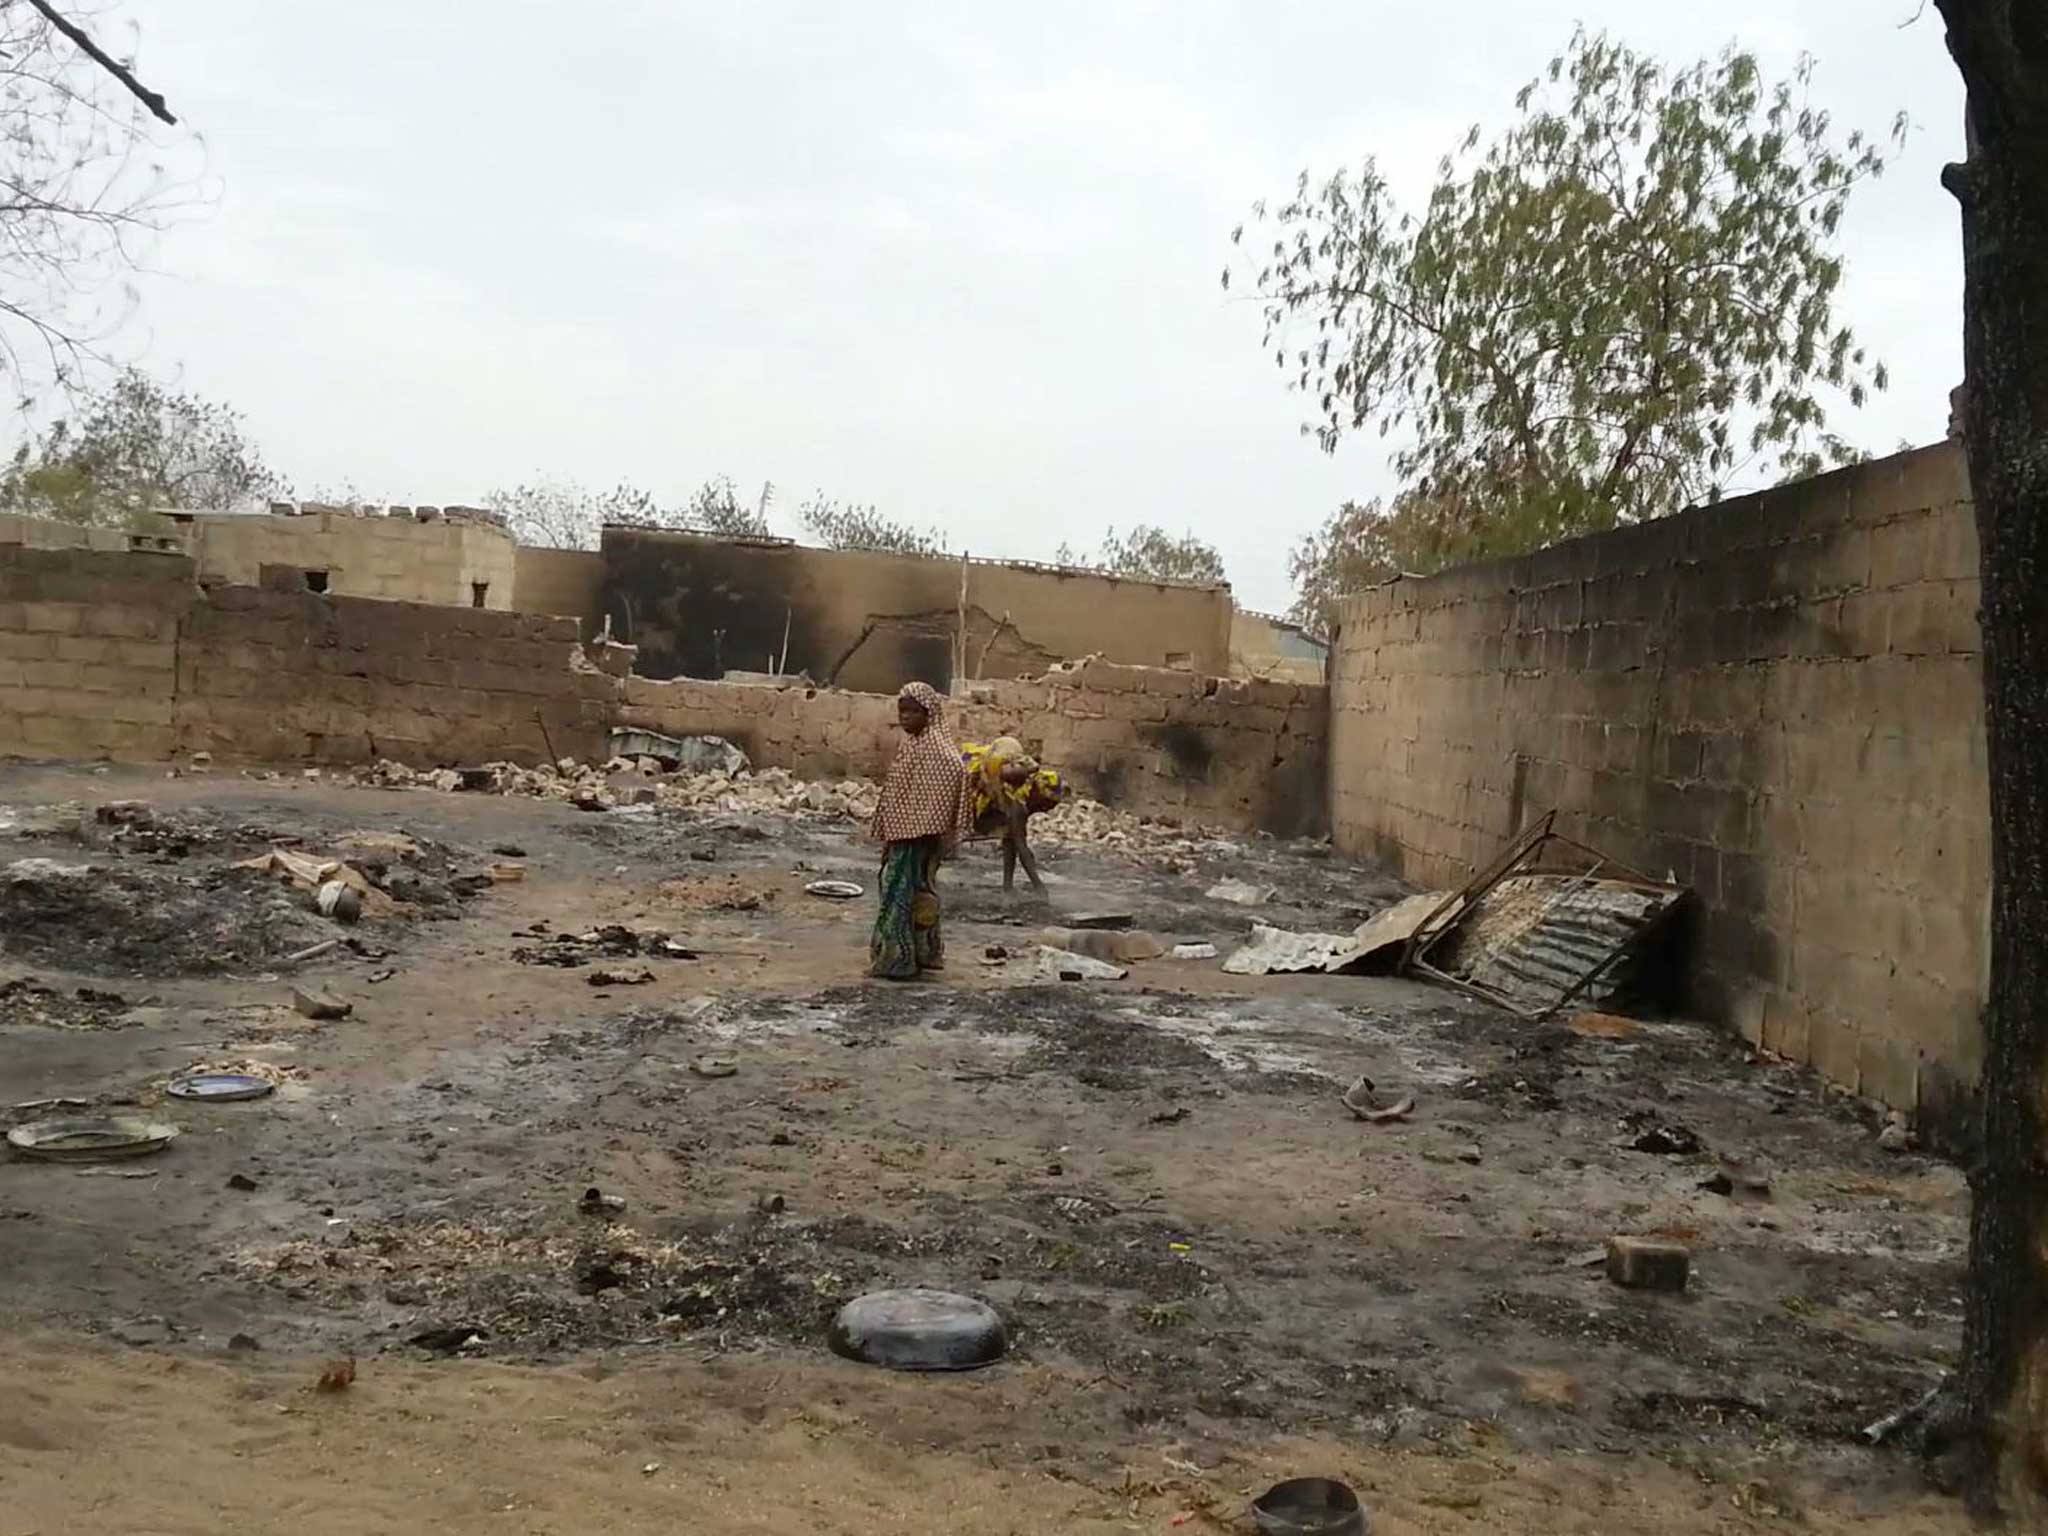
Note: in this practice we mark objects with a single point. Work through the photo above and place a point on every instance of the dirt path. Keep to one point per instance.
(136, 1442)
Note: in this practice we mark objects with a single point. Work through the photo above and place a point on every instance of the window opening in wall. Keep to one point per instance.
(478, 591)
(316, 581)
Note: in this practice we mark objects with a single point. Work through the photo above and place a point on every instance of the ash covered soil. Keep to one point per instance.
(1153, 1179)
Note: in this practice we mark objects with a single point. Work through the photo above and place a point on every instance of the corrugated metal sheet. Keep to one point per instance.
(1532, 937)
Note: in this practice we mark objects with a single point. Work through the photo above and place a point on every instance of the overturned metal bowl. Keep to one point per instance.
(89, 1138)
(919, 1330)
(1309, 1506)
(219, 1087)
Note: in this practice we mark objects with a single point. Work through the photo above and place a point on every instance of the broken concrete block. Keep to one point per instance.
(1648, 1263)
(315, 1003)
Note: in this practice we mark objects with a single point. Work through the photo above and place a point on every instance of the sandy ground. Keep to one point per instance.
(1213, 1275)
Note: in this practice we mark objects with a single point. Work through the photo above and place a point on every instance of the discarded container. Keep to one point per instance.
(87, 1138)
(919, 1330)
(1194, 951)
(835, 890)
(339, 901)
(220, 1087)
(1310, 1506)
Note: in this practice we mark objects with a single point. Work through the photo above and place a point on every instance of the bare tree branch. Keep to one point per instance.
(119, 71)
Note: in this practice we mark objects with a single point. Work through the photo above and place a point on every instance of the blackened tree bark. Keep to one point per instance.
(2001, 48)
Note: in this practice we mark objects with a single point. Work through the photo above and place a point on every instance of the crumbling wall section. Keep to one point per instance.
(1776, 699)
(1153, 741)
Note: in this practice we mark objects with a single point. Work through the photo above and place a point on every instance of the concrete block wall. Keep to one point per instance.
(1152, 741)
(299, 677)
(1777, 699)
(49, 533)
(396, 558)
(126, 656)
(88, 651)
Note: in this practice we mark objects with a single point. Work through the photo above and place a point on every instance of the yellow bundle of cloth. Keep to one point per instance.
(1003, 775)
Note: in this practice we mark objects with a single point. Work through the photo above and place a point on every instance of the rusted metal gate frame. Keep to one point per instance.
(1445, 918)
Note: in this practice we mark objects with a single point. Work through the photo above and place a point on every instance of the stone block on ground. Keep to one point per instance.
(1648, 1263)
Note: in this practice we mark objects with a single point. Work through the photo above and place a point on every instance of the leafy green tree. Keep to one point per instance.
(1619, 308)
(849, 525)
(1148, 551)
(135, 447)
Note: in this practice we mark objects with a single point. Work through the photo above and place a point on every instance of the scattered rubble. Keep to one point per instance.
(569, 951)
(1242, 893)
(26, 1000)
(639, 978)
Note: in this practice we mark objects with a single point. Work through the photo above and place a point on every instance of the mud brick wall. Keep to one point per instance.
(88, 651)
(281, 676)
(1777, 698)
(1152, 741)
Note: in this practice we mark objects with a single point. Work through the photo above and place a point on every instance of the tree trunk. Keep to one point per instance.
(2001, 48)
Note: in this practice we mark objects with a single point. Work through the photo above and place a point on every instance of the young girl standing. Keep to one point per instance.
(925, 808)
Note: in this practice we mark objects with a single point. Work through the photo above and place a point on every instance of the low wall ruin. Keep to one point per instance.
(124, 655)
(1149, 740)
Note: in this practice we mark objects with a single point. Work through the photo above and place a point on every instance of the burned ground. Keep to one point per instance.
(1153, 1180)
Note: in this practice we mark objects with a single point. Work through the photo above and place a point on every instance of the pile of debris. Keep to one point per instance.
(622, 781)
(735, 788)
(572, 951)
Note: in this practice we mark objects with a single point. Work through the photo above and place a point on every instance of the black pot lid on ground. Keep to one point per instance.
(919, 1330)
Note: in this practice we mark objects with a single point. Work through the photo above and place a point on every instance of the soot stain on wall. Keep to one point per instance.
(702, 608)
(1187, 747)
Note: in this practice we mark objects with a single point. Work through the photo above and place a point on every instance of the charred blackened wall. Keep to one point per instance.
(702, 607)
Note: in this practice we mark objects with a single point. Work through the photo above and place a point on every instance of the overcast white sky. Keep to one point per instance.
(958, 260)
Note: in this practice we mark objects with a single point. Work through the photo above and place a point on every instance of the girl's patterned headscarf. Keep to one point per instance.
(925, 793)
